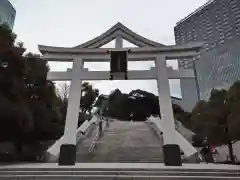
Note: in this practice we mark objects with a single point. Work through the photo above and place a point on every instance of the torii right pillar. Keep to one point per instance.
(171, 149)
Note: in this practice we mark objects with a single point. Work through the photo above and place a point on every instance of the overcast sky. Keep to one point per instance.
(72, 22)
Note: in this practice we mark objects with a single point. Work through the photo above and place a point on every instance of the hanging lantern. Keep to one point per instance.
(118, 65)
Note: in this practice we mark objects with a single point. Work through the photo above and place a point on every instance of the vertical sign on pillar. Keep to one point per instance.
(68, 148)
(118, 65)
(172, 155)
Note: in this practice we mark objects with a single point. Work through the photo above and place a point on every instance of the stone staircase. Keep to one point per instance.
(123, 142)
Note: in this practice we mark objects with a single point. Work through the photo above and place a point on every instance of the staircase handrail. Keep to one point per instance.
(101, 119)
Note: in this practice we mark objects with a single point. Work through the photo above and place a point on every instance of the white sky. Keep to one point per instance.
(72, 22)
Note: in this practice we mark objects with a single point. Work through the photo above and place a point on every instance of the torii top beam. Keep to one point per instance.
(67, 54)
(91, 47)
(123, 31)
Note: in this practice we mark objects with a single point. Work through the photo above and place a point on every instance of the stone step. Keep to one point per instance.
(40, 174)
(102, 160)
(100, 171)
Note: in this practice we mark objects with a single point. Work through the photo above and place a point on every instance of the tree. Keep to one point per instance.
(116, 105)
(89, 95)
(143, 98)
(232, 117)
(138, 105)
(181, 115)
(7, 38)
(42, 99)
(29, 106)
(85, 98)
(64, 91)
(14, 112)
(218, 118)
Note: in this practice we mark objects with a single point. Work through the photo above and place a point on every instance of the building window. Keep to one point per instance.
(238, 28)
(214, 44)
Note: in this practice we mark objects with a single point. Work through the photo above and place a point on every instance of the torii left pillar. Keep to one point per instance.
(68, 148)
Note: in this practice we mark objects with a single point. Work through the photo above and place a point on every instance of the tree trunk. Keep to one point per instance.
(231, 155)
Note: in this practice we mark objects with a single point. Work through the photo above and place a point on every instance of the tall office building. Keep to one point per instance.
(7, 13)
(217, 23)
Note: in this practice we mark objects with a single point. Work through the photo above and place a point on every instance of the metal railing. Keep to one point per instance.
(102, 124)
(93, 144)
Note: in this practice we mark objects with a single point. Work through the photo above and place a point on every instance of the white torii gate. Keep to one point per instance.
(90, 52)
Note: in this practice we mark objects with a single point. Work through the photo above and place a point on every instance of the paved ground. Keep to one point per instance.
(123, 142)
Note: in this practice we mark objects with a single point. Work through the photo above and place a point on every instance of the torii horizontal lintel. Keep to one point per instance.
(106, 57)
(132, 75)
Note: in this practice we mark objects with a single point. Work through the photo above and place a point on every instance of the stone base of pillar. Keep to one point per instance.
(172, 155)
(67, 155)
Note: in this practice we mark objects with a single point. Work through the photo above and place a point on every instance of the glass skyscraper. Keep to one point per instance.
(7, 13)
(217, 23)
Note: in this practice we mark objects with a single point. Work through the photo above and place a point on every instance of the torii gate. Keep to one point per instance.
(90, 52)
